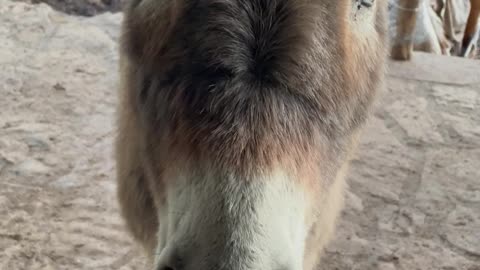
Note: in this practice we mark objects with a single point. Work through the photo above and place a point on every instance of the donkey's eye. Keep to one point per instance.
(365, 3)
(361, 8)
(359, 4)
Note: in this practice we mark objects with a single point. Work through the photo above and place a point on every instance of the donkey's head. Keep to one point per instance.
(249, 110)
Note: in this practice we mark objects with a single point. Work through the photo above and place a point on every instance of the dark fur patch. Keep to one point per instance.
(241, 84)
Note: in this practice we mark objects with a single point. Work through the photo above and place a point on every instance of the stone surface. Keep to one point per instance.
(414, 199)
(82, 7)
(456, 71)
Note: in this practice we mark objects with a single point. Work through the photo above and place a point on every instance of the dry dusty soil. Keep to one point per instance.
(414, 199)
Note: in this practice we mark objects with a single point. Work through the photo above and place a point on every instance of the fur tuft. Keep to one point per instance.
(244, 83)
(259, 39)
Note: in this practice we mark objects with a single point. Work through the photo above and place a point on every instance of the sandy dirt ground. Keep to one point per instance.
(414, 199)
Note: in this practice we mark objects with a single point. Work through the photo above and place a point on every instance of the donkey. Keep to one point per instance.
(236, 123)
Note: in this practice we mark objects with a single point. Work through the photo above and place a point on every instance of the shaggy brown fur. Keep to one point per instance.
(241, 86)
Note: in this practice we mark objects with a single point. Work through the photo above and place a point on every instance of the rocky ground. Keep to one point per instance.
(414, 201)
(82, 7)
